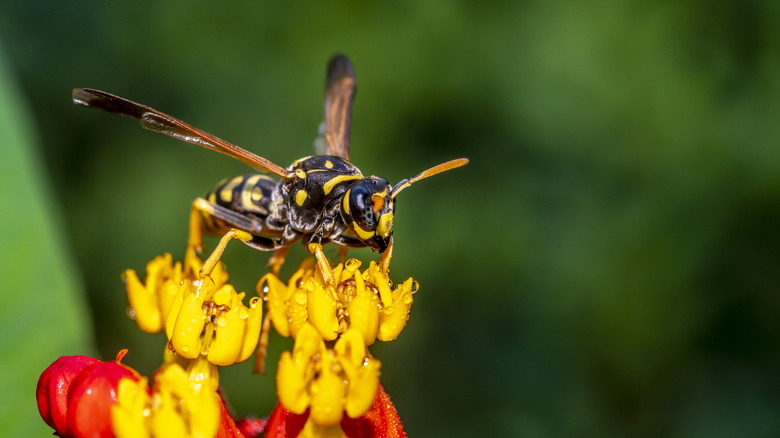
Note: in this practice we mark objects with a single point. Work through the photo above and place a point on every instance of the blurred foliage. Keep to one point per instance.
(45, 315)
(607, 265)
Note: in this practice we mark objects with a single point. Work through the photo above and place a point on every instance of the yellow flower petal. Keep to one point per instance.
(327, 395)
(252, 331)
(363, 311)
(392, 319)
(190, 321)
(229, 336)
(278, 295)
(143, 303)
(322, 310)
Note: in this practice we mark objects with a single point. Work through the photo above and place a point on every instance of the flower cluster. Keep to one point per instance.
(201, 316)
(330, 372)
(328, 385)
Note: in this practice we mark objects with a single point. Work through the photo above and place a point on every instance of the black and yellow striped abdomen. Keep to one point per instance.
(250, 195)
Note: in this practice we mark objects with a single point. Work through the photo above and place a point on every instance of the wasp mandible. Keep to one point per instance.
(318, 199)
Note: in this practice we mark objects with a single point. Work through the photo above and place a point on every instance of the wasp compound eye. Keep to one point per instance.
(361, 208)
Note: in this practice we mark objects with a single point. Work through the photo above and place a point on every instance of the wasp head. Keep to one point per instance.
(368, 210)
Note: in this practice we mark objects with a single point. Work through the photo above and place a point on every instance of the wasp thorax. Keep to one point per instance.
(368, 209)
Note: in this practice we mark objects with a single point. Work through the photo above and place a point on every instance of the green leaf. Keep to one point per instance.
(44, 313)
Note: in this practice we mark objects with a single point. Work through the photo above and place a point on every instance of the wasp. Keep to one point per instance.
(318, 199)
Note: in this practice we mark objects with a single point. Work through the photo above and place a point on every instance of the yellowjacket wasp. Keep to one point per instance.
(319, 199)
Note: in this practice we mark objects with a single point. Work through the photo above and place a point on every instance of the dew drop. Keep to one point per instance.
(300, 299)
(415, 286)
(131, 313)
(352, 264)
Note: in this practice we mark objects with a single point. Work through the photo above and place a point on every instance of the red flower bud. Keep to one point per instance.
(53, 386)
(91, 396)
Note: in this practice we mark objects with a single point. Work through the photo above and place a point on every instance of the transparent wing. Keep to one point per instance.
(156, 121)
(340, 88)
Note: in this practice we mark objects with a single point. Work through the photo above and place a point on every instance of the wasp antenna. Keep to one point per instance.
(443, 167)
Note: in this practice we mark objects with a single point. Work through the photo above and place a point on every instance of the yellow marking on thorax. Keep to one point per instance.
(300, 173)
(328, 186)
(363, 234)
(300, 197)
(226, 193)
(329, 164)
(251, 196)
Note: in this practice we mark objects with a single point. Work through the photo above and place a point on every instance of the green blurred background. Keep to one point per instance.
(607, 265)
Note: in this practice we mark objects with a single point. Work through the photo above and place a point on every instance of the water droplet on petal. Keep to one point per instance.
(352, 264)
(415, 286)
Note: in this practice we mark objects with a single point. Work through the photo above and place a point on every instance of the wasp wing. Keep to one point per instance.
(340, 88)
(156, 121)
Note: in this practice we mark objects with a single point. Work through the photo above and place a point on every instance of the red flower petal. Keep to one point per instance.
(381, 421)
(91, 396)
(227, 427)
(53, 386)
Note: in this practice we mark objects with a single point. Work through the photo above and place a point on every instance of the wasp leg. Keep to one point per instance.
(277, 260)
(384, 260)
(202, 208)
(213, 259)
(262, 344)
(348, 241)
(230, 217)
(343, 253)
(345, 243)
(315, 249)
(195, 239)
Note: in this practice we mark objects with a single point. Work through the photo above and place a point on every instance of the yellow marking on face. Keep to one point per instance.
(385, 225)
(328, 186)
(213, 197)
(345, 202)
(248, 196)
(300, 197)
(362, 234)
(300, 173)
(226, 193)
(377, 202)
(329, 164)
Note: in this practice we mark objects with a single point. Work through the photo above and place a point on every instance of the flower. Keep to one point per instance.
(327, 381)
(76, 394)
(330, 373)
(175, 408)
(364, 301)
(201, 315)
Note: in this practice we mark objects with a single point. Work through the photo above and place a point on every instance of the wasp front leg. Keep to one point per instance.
(277, 260)
(315, 249)
(204, 214)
